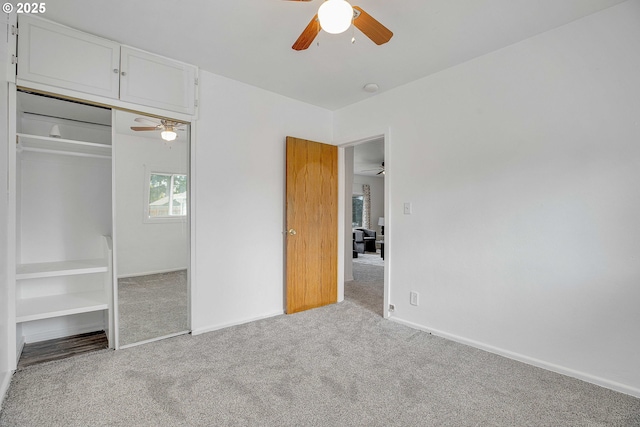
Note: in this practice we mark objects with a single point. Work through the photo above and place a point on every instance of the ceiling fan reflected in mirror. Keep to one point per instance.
(166, 127)
(335, 17)
(380, 170)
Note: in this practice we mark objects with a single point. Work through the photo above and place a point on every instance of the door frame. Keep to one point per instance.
(344, 226)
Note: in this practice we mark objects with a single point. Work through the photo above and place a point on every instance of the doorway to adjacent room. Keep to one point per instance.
(365, 205)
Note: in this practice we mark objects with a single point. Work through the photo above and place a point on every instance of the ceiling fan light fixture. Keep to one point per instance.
(169, 134)
(335, 16)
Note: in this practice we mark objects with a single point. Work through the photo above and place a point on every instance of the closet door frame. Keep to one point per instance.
(13, 348)
(191, 227)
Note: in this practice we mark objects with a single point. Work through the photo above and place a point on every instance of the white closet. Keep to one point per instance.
(60, 173)
(63, 220)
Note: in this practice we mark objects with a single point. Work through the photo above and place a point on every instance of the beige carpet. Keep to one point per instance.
(339, 365)
(367, 288)
(152, 306)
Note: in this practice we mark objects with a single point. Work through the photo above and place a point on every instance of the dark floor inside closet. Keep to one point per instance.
(61, 348)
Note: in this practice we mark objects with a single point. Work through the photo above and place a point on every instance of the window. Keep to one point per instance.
(357, 203)
(167, 195)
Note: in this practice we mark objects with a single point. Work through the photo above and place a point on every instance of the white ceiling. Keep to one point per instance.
(250, 40)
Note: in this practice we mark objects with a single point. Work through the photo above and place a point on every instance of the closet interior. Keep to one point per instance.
(63, 219)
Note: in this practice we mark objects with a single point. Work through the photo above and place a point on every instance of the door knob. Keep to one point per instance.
(292, 232)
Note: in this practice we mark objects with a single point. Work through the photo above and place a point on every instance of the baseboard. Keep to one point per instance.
(5, 381)
(204, 330)
(602, 382)
(60, 333)
(147, 273)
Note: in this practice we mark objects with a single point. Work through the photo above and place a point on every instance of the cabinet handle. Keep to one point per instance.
(115, 70)
(123, 73)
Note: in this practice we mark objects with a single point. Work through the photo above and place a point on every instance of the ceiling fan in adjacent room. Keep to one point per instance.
(166, 127)
(380, 170)
(335, 17)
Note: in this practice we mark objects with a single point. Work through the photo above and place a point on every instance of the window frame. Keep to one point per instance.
(147, 189)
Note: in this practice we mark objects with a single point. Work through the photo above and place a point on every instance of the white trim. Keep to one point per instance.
(204, 330)
(388, 177)
(191, 219)
(135, 344)
(341, 223)
(5, 381)
(602, 382)
(12, 242)
(102, 100)
(115, 313)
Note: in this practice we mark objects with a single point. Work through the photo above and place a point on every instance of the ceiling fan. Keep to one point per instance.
(335, 17)
(167, 127)
(380, 169)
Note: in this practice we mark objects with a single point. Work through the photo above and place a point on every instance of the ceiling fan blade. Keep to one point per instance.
(137, 128)
(146, 120)
(381, 172)
(371, 28)
(307, 36)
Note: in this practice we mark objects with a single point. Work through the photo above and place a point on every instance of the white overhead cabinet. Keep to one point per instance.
(155, 81)
(55, 55)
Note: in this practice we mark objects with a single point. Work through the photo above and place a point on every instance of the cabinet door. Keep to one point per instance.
(156, 81)
(59, 56)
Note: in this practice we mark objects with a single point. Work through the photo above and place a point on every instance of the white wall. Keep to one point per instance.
(522, 167)
(239, 195)
(146, 247)
(65, 207)
(376, 186)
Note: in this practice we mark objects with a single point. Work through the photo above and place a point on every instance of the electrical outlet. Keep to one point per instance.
(413, 298)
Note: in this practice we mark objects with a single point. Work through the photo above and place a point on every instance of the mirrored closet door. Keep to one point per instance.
(151, 181)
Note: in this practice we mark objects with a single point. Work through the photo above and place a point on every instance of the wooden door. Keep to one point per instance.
(312, 224)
